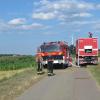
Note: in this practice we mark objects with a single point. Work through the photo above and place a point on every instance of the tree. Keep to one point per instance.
(72, 49)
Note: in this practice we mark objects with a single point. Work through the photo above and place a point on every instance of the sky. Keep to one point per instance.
(25, 24)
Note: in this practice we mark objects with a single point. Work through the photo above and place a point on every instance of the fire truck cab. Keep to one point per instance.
(58, 50)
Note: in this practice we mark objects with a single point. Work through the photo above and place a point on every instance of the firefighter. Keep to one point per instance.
(39, 66)
(50, 66)
(70, 61)
(90, 35)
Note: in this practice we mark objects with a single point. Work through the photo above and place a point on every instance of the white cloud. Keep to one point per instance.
(44, 2)
(44, 16)
(69, 12)
(17, 21)
(86, 6)
(65, 9)
(98, 6)
(32, 26)
(7, 27)
(59, 6)
(84, 22)
(84, 14)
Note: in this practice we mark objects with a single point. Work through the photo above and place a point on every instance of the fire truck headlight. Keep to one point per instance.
(60, 53)
(63, 57)
(42, 54)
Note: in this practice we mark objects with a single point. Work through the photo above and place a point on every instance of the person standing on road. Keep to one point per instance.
(50, 65)
(39, 60)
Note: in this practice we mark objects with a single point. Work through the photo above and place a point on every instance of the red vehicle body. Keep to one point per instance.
(87, 51)
(58, 50)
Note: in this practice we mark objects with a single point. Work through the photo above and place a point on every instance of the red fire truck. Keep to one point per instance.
(87, 51)
(59, 52)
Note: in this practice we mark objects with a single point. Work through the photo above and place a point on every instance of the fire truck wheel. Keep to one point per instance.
(63, 66)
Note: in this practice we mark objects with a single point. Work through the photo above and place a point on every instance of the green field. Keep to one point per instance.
(16, 62)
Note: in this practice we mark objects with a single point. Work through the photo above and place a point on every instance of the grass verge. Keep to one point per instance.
(7, 74)
(13, 86)
(95, 70)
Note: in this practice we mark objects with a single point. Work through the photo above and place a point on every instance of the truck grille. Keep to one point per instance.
(89, 58)
(58, 57)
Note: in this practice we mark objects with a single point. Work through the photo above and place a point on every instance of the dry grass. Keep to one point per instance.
(17, 83)
(8, 74)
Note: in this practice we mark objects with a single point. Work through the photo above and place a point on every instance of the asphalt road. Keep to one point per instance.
(68, 84)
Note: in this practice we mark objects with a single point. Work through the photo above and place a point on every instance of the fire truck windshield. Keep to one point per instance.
(88, 50)
(50, 48)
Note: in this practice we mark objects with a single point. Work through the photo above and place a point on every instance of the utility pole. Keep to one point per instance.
(72, 40)
(78, 54)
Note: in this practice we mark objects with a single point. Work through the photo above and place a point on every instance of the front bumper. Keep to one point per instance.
(54, 62)
(89, 62)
